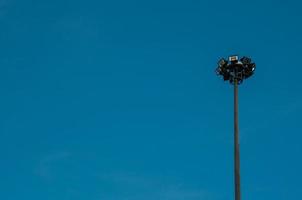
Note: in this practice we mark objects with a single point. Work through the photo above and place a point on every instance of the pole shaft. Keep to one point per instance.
(236, 144)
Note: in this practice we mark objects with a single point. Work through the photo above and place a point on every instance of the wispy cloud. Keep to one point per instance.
(178, 193)
(3, 5)
(135, 187)
(45, 166)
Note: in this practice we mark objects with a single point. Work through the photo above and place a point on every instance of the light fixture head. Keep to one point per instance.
(233, 58)
(235, 69)
(218, 71)
(245, 60)
(251, 67)
(222, 62)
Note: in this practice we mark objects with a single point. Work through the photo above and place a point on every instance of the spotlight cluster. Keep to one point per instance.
(235, 69)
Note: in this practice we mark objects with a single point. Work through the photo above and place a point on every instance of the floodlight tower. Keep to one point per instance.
(235, 71)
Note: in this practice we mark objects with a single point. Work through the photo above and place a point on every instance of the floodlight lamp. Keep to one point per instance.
(218, 71)
(245, 60)
(222, 62)
(233, 58)
(252, 66)
(226, 77)
(248, 74)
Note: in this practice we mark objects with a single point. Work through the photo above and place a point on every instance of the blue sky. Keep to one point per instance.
(118, 100)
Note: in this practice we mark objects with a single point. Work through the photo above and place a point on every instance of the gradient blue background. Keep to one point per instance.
(118, 100)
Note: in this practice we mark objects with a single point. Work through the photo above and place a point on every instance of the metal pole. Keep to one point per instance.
(236, 143)
(235, 70)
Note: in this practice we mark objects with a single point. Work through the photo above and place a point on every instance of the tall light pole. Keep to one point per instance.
(235, 71)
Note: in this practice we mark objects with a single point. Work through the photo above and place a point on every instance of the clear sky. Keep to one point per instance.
(118, 100)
